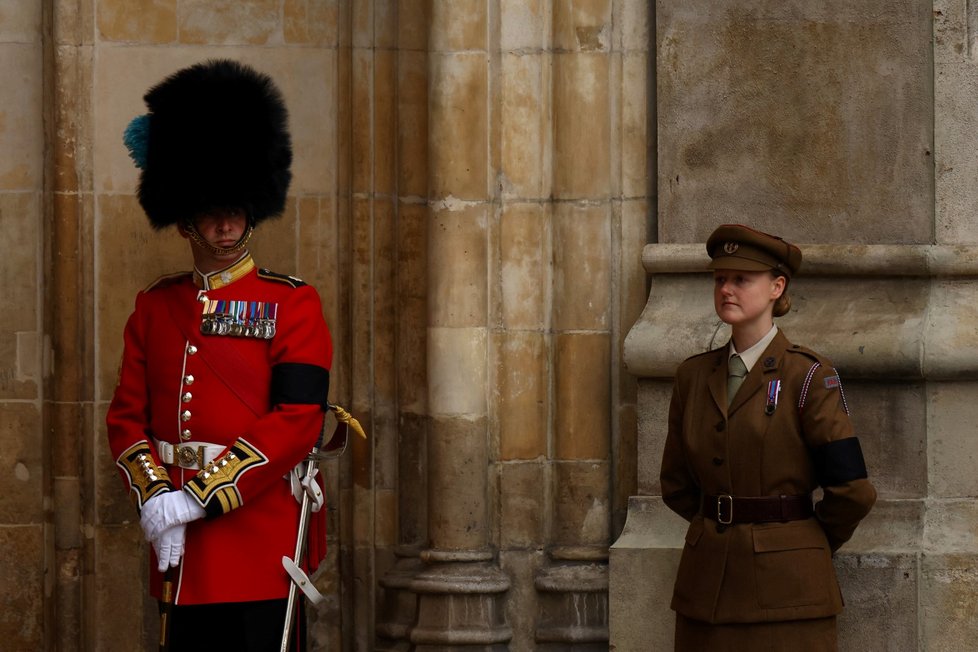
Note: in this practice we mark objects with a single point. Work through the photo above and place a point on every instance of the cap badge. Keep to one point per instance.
(730, 247)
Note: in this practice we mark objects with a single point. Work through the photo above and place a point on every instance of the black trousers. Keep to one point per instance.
(239, 626)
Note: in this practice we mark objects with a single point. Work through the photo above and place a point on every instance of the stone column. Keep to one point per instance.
(69, 319)
(460, 593)
(520, 298)
(600, 202)
(400, 563)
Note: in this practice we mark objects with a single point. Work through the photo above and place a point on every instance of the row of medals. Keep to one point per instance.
(263, 329)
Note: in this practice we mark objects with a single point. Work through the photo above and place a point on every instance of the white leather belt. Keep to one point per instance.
(188, 455)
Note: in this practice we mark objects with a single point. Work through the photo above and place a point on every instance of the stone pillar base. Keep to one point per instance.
(573, 606)
(399, 610)
(460, 604)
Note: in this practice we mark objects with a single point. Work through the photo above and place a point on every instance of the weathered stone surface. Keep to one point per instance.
(522, 416)
(653, 426)
(582, 402)
(121, 590)
(956, 121)
(458, 283)
(949, 602)
(146, 21)
(582, 144)
(523, 498)
(227, 22)
(525, 24)
(311, 22)
(457, 483)
(20, 22)
(524, 235)
(581, 504)
(457, 371)
(22, 591)
(952, 451)
(524, 144)
(458, 25)
(20, 128)
(458, 112)
(20, 342)
(522, 598)
(22, 482)
(831, 155)
(881, 593)
(582, 267)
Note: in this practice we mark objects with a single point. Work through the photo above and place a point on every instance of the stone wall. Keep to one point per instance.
(475, 181)
(24, 539)
(471, 197)
(827, 123)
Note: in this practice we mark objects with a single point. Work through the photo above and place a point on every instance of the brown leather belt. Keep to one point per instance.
(727, 510)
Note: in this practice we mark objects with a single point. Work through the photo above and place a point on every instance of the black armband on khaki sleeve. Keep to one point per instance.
(296, 382)
(838, 462)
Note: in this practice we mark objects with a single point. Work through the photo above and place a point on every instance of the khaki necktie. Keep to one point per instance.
(736, 371)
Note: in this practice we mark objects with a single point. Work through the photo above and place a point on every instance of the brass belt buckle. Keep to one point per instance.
(189, 456)
(730, 514)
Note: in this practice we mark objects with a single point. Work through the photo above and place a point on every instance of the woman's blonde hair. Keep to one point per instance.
(783, 303)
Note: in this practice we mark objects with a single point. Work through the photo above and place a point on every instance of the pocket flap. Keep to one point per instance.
(788, 536)
(694, 532)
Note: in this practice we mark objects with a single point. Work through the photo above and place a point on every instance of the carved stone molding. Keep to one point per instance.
(902, 312)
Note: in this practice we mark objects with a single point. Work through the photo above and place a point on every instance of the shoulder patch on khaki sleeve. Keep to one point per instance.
(829, 383)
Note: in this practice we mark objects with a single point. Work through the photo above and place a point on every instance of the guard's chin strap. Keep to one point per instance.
(218, 251)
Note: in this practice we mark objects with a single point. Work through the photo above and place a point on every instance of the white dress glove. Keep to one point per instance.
(169, 547)
(163, 511)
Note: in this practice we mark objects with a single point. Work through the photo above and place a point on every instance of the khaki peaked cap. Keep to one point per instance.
(735, 246)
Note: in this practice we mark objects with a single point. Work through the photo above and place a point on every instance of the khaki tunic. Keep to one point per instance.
(767, 572)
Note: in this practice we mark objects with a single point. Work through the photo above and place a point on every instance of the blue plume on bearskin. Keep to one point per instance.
(136, 138)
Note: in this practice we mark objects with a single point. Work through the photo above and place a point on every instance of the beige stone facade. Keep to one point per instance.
(483, 190)
(849, 128)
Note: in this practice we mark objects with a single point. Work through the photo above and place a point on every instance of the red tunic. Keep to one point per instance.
(178, 385)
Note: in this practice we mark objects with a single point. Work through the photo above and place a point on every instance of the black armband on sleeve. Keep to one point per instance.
(838, 462)
(296, 382)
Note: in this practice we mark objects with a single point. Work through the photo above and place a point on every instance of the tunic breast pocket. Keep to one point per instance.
(792, 565)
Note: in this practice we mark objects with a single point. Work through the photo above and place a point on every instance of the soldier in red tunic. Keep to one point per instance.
(225, 370)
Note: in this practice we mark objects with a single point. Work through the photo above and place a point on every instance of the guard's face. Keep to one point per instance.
(222, 227)
(742, 298)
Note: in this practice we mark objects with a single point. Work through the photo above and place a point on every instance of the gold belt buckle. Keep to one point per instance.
(720, 519)
(189, 456)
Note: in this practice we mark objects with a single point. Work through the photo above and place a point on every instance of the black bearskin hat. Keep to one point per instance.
(216, 136)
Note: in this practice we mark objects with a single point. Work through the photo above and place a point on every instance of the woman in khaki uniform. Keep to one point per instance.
(754, 427)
